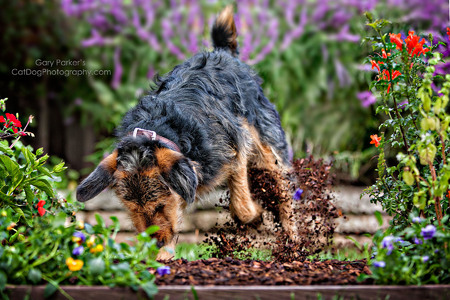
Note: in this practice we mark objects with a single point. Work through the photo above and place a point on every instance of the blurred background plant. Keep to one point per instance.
(309, 54)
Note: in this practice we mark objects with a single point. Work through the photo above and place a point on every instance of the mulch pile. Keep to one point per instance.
(314, 214)
(236, 272)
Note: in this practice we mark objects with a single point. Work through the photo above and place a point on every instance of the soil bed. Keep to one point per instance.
(236, 272)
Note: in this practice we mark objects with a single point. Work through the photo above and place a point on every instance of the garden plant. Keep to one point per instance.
(414, 187)
(42, 243)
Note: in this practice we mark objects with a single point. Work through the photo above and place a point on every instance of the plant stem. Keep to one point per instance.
(437, 202)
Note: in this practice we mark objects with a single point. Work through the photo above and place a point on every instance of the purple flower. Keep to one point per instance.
(78, 251)
(298, 194)
(425, 258)
(366, 98)
(428, 232)
(164, 270)
(379, 264)
(118, 70)
(417, 219)
(78, 235)
(417, 241)
(388, 243)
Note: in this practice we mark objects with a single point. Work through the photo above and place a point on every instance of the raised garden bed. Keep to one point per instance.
(174, 292)
(249, 279)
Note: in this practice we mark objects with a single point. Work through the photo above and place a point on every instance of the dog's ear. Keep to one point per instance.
(181, 177)
(99, 179)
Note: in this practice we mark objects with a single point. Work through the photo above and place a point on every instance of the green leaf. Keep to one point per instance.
(35, 276)
(5, 149)
(30, 158)
(150, 288)
(97, 266)
(44, 171)
(59, 167)
(20, 214)
(3, 280)
(49, 290)
(379, 218)
(100, 220)
(43, 185)
(13, 170)
(152, 229)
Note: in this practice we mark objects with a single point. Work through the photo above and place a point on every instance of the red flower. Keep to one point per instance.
(375, 140)
(2, 119)
(375, 65)
(397, 40)
(41, 209)
(12, 118)
(448, 32)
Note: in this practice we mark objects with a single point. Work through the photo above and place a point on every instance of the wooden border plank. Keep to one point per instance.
(374, 292)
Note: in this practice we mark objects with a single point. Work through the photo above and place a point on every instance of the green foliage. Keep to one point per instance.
(416, 129)
(41, 240)
(47, 247)
(411, 259)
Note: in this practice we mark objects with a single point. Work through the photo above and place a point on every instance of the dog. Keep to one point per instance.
(204, 125)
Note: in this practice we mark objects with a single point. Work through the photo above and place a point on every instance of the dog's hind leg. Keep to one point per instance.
(264, 158)
(241, 203)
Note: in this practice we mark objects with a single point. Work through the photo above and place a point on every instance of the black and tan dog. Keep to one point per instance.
(204, 125)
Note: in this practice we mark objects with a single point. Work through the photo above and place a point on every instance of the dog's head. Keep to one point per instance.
(153, 181)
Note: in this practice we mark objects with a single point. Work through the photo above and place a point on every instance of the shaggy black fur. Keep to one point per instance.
(200, 105)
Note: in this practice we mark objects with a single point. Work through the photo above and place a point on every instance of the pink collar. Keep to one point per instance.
(152, 135)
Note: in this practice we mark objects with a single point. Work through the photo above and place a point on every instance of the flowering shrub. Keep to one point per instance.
(41, 240)
(414, 250)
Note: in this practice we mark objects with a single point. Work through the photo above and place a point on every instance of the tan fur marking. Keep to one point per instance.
(166, 158)
(241, 203)
(110, 162)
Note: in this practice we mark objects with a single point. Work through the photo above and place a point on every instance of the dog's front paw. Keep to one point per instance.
(166, 253)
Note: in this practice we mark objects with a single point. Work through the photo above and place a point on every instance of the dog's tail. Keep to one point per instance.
(224, 34)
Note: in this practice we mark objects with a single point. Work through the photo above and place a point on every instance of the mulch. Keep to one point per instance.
(235, 272)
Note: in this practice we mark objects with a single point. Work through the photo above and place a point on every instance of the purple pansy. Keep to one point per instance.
(298, 194)
(80, 235)
(417, 241)
(388, 243)
(417, 220)
(425, 258)
(379, 264)
(164, 270)
(428, 232)
(78, 251)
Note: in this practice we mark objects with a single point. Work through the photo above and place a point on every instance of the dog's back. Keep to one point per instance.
(206, 101)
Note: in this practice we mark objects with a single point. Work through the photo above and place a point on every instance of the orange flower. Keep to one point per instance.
(375, 140)
(414, 46)
(384, 55)
(397, 40)
(375, 65)
(74, 264)
(97, 249)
